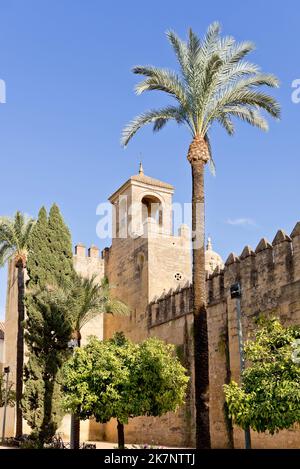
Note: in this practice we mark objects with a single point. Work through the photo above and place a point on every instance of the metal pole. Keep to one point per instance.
(6, 371)
(237, 293)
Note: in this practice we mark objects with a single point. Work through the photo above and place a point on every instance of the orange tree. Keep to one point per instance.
(116, 378)
(268, 398)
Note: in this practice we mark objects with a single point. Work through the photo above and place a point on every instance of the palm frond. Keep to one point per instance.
(6, 252)
(14, 236)
(226, 122)
(161, 80)
(229, 73)
(215, 84)
(208, 45)
(193, 46)
(163, 114)
(18, 225)
(212, 166)
(86, 298)
(27, 229)
(207, 85)
(232, 52)
(180, 49)
(242, 96)
(259, 79)
(251, 116)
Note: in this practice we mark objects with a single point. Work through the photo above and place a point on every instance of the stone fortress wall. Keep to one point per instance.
(270, 282)
(149, 268)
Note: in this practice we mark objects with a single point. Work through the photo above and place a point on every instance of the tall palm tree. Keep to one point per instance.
(214, 84)
(14, 236)
(86, 298)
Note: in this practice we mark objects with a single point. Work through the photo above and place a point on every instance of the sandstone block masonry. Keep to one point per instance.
(270, 282)
(149, 268)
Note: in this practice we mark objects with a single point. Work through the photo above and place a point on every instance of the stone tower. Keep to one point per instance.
(145, 259)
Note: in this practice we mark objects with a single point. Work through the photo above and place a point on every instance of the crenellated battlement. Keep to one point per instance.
(88, 263)
(170, 305)
(264, 274)
(80, 251)
(269, 267)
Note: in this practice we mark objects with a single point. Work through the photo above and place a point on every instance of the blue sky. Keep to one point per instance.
(66, 65)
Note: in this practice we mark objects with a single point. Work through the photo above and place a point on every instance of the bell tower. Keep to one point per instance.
(139, 201)
(145, 259)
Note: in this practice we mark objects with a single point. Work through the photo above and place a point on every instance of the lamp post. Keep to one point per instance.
(72, 344)
(236, 292)
(6, 371)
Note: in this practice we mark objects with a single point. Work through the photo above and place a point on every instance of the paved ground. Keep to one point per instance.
(105, 445)
(108, 445)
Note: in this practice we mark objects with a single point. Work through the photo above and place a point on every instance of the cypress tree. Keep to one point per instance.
(51, 258)
(37, 262)
(60, 262)
(48, 326)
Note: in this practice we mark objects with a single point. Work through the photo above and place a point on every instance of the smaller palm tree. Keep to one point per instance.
(14, 237)
(86, 298)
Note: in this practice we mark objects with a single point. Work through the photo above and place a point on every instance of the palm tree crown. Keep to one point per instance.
(14, 236)
(215, 84)
(94, 298)
(85, 298)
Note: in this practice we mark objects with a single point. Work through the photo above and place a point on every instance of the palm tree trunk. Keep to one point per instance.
(75, 418)
(198, 156)
(121, 437)
(20, 349)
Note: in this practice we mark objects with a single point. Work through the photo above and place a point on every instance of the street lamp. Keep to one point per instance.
(72, 344)
(6, 371)
(236, 292)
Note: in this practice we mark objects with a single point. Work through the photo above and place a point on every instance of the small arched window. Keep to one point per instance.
(152, 208)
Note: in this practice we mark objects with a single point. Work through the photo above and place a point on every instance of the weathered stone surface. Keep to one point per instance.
(296, 230)
(280, 237)
(262, 245)
(152, 274)
(247, 251)
(231, 259)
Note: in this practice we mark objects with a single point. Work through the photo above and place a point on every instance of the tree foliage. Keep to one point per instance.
(214, 84)
(48, 323)
(14, 237)
(85, 298)
(269, 397)
(117, 378)
(50, 246)
(11, 395)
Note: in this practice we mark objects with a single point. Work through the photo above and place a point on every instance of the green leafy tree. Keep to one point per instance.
(48, 331)
(14, 244)
(268, 398)
(48, 325)
(11, 395)
(214, 85)
(118, 379)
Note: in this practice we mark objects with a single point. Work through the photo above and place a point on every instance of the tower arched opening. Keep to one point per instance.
(152, 208)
